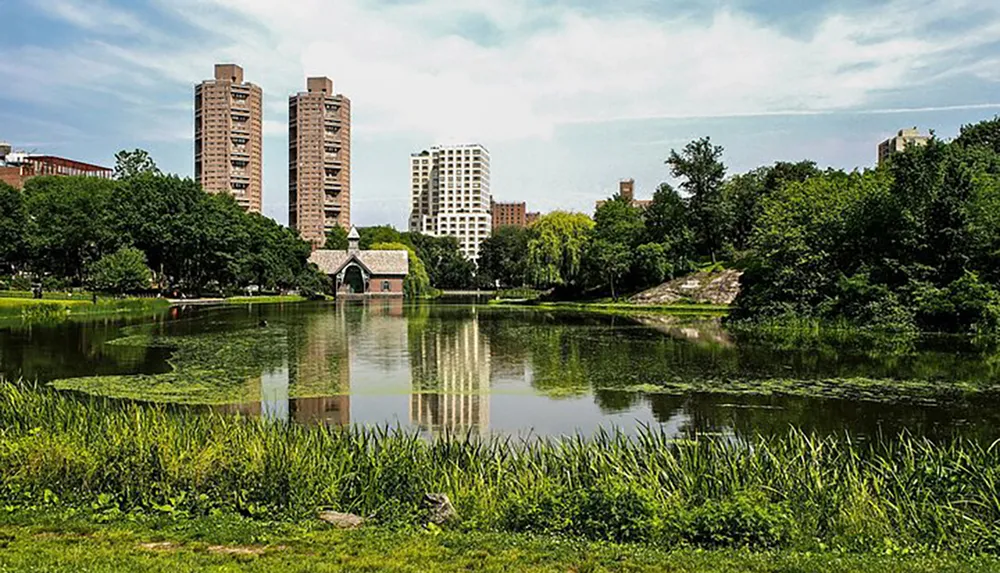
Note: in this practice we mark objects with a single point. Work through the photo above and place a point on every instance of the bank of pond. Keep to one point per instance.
(662, 430)
(793, 490)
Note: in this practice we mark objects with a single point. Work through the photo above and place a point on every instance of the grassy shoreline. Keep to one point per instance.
(682, 309)
(790, 493)
(59, 542)
(56, 309)
(277, 299)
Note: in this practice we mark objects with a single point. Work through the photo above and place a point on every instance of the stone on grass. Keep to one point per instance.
(342, 520)
(440, 508)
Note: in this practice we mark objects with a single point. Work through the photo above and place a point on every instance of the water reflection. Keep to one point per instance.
(480, 369)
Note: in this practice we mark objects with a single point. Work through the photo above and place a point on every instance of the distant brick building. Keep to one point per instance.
(512, 215)
(319, 161)
(626, 189)
(228, 136)
(17, 167)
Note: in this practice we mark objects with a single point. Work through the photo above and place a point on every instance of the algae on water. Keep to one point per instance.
(210, 368)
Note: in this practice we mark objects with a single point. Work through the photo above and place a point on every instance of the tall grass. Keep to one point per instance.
(794, 491)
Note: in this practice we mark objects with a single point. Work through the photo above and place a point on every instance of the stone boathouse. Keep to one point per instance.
(363, 273)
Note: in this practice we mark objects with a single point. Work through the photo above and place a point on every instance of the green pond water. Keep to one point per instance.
(466, 367)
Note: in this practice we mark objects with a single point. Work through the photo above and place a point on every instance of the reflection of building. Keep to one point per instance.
(319, 161)
(228, 133)
(626, 190)
(454, 367)
(898, 144)
(367, 273)
(450, 195)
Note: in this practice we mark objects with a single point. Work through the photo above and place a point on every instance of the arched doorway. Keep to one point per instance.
(354, 280)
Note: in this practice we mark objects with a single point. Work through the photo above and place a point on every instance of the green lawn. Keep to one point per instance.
(232, 544)
(265, 299)
(53, 309)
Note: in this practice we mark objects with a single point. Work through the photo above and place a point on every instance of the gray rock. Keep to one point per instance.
(702, 287)
(342, 520)
(440, 508)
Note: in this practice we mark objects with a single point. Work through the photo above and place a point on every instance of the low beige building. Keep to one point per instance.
(903, 139)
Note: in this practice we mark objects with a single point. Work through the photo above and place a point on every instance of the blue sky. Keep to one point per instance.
(569, 97)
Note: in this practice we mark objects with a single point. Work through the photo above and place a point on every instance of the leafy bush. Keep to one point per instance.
(124, 271)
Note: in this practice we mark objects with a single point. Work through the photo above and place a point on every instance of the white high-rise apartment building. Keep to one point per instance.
(450, 189)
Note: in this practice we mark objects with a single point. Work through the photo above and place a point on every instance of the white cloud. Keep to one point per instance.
(94, 15)
(404, 76)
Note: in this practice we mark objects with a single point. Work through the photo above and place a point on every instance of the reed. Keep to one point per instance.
(796, 490)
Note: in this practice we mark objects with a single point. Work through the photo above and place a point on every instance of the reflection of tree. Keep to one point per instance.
(46, 352)
(450, 366)
(615, 401)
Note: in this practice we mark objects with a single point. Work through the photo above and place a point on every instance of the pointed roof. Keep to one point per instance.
(353, 235)
(375, 262)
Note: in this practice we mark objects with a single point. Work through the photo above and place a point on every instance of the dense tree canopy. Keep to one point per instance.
(910, 245)
(502, 257)
(82, 230)
(135, 162)
(13, 228)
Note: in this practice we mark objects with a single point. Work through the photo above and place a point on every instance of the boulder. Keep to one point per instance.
(440, 509)
(342, 520)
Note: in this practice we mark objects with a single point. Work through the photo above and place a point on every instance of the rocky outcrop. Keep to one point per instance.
(342, 520)
(704, 287)
(439, 508)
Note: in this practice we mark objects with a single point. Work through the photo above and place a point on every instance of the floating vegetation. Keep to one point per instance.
(210, 368)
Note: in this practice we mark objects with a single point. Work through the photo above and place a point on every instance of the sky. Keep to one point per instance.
(569, 97)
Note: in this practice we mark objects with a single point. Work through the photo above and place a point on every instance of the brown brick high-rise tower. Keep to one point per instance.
(228, 136)
(319, 161)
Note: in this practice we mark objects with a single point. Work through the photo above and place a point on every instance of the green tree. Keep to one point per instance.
(555, 248)
(983, 134)
(336, 239)
(651, 264)
(607, 261)
(416, 284)
(381, 234)
(124, 271)
(155, 213)
(132, 163)
(503, 256)
(700, 165)
(447, 267)
(67, 226)
(744, 195)
(13, 229)
(274, 257)
(619, 222)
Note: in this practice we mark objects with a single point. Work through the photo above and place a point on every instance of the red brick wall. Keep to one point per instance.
(12, 176)
(395, 286)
